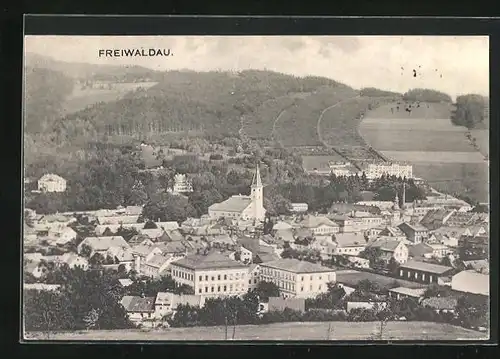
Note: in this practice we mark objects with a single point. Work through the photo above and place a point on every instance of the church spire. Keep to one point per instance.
(396, 202)
(256, 181)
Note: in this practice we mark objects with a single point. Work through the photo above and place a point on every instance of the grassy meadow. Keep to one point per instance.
(438, 150)
(280, 331)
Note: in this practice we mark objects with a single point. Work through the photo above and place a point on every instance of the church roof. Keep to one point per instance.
(232, 204)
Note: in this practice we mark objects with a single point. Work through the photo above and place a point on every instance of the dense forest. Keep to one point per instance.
(426, 95)
(375, 92)
(211, 102)
(45, 92)
(470, 112)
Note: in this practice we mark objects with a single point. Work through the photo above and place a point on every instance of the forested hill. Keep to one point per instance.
(93, 72)
(45, 91)
(211, 102)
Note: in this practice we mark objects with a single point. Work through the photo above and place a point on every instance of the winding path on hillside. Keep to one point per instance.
(273, 133)
(318, 127)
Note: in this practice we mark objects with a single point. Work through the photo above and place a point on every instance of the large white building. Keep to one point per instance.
(376, 170)
(51, 183)
(297, 278)
(211, 275)
(242, 207)
(181, 185)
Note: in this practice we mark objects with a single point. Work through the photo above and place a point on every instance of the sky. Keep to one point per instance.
(452, 64)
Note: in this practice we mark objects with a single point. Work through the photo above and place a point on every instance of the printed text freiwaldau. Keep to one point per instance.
(151, 52)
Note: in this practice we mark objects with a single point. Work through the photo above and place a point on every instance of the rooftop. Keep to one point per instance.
(386, 245)
(213, 260)
(316, 221)
(426, 267)
(350, 240)
(138, 304)
(232, 204)
(412, 292)
(104, 243)
(297, 266)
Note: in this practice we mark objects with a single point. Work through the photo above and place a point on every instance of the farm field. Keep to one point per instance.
(81, 99)
(418, 111)
(471, 179)
(352, 277)
(281, 331)
(439, 151)
(435, 156)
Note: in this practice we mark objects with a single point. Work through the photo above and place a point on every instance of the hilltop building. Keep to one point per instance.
(51, 183)
(181, 185)
(240, 206)
(376, 170)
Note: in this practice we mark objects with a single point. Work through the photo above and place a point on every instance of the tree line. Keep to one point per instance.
(470, 111)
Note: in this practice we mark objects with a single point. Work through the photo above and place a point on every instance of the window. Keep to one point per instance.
(249, 281)
(311, 287)
(319, 288)
(319, 277)
(212, 290)
(302, 278)
(213, 278)
(302, 288)
(218, 288)
(311, 277)
(255, 280)
(201, 278)
(225, 288)
(206, 277)
(206, 289)
(225, 276)
(230, 287)
(218, 277)
(237, 276)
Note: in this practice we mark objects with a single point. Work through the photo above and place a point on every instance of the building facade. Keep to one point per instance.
(211, 275)
(297, 279)
(51, 183)
(376, 170)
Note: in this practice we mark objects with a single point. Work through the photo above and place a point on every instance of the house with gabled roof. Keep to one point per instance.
(391, 249)
(319, 225)
(415, 233)
(351, 244)
(157, 265)
(139, 309)
(102, 244)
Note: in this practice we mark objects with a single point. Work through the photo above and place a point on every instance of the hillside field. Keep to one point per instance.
(439, 151)
(280, 331)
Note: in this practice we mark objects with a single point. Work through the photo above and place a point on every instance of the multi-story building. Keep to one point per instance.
(181, 184)
(299, 207)
(415, 233)
(297, 278)
(319, 225)
(376, 170)
(211, 275)
(51, 183)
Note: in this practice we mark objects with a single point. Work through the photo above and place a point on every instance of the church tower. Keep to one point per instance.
(396, 203)
(257, 194)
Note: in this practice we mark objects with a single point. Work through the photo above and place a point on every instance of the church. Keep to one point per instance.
(242, 207)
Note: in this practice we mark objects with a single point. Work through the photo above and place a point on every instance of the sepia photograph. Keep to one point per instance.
(255, 188)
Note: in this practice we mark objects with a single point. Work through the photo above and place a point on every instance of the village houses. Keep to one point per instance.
(51, 183)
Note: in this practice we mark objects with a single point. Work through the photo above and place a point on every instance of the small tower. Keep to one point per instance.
(396, 202)
(257, 195)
